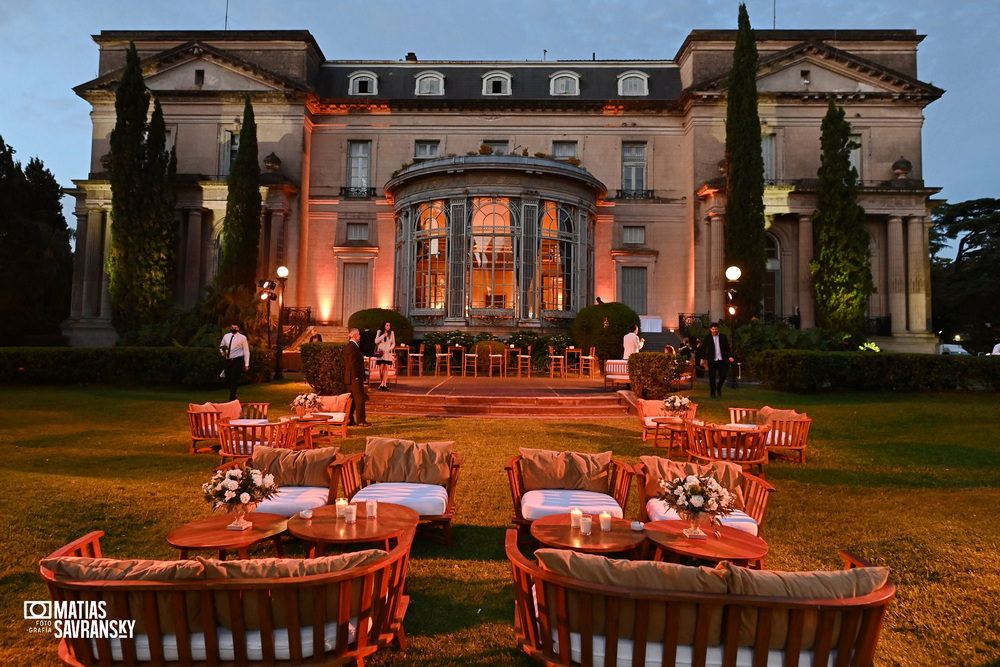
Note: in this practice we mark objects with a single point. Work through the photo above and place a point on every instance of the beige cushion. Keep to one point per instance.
(274, 568)
(640, 576)
(398, 460)
(202, 407)
(829, 585)
(334, 403)
(545, 469)
(230, 410)
(729, 475)
(306, 467)
(767, 413)
(648, 408)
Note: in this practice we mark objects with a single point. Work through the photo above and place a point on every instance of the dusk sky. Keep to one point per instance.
(48, 49)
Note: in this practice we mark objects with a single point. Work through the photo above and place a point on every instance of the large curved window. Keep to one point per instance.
(430, 242)
(555, 257)
(491, 264)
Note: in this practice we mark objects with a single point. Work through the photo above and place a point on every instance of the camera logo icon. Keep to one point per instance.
(37, 610)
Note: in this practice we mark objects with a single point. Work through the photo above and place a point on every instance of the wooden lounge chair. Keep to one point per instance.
(789, 432)
(203, 420)
(742, 444)
(238, 440)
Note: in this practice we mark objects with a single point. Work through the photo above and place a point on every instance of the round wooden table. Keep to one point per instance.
(325, 528)
(731, 544)
(555, 531)
(675, 427)
(211, 534)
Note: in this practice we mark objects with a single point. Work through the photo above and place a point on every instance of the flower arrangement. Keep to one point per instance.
(676, 403)
(238, 486)
(306, 403)
(696, 498)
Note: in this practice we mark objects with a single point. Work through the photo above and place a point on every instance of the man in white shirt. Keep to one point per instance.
(235, 349)
(631, 342)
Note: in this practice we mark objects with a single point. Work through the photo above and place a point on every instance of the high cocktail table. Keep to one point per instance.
(211, 534)
(326, 528)
(722, 543)
(555, 531)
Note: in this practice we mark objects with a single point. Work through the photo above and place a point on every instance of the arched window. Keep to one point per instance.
(491, 265)
(363, 83)
(497, 83)
(555, 257)
(564, 83)
(633, 83)
(430, 241)
(771, 287)
(429, 83)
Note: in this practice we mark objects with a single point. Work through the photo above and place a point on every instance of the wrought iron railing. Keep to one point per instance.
(685, 320)
(634, 194)
(293, 322)
(350, 192)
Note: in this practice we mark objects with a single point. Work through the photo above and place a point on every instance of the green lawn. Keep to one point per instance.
(912, 482)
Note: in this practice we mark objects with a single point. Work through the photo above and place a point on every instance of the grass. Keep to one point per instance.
(908, 481)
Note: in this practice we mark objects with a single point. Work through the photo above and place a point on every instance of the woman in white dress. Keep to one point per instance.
(385, 345)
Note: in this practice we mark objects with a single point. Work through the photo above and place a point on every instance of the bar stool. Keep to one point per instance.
(415, 359)
(497, 359)
(588, 363)
(470, 359)
(556, 361)
(442, 358)
(524, 363)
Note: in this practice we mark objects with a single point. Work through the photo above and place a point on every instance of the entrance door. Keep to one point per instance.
(356, 288)
(632, 291)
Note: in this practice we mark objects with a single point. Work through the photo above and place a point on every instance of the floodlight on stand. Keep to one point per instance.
(733, 273)
(732, 310)
(264, 296)
(282, 271)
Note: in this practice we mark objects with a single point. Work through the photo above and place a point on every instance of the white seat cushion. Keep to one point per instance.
(290, 500)
(648, 421)
(778, 439)
(543, 502)
(332, 416)
(658, 511)
(424, 499)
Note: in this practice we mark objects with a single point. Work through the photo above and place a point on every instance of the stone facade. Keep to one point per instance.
(590, 178)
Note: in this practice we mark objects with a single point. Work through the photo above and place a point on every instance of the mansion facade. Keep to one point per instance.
(501, 195)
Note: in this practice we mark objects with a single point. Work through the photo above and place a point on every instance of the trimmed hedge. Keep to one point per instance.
(185, 366)
(653, 373)
(809, 371)
(323, 367)
(589, 329)
(375, 319)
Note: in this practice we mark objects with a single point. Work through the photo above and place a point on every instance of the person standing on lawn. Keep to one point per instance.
(716, 356)
(235, 349)
(354, 377)
(385, 348)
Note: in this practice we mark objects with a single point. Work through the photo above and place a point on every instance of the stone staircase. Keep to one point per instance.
(330, 334)
(657, 340)
(544, 407)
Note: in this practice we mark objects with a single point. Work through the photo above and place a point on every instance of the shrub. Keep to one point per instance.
(484, 349)
(589, 329)
(323, 367)
(523, 338)
(185, 366)
(654, 374)
(375, 319)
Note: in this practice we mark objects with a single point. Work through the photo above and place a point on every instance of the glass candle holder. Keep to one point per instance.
(574, 517)
(371, 508)
(341, 506)
(351, 513)
(605, 518)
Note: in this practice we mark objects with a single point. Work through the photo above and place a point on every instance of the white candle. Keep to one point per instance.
(351, 513)
(605, 521)
(306, 514)
(371, 507)
(341, 507)
(586, 521)
(574, 517)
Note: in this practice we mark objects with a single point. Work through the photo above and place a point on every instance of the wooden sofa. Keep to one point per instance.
(220, 618)
(305, 478)
(789, 432)
(616, 372)
(564, 620)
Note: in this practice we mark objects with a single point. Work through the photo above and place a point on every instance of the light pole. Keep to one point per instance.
(267, 295)
(733, 275)
(282, 273)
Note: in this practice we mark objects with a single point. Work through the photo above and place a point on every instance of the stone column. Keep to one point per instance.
(105, 250)
(896, 275)
(93, 266)
(195, 258)
(77, 293)
(717, 267)
(917, 284)
(807, 310)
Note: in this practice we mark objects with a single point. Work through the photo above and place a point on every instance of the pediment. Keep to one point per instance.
(822, 76)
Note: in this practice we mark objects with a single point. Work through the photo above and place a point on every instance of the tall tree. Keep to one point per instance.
(841, 271)
(34, 249)
(745, 174)
(241, 228)
(143, 229)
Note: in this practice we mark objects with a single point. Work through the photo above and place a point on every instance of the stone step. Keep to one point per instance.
(608, 405)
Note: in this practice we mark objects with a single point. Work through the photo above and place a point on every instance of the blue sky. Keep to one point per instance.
(48, 50)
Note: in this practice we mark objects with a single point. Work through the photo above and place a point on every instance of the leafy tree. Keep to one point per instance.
(966, 290)
(745, 246)
(241, 228)
(34, 250)
(841, 271)
(142, 259)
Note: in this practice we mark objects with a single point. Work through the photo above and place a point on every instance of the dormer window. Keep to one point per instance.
(633, 83)
(496, 83)
(363, 83)
(564, 83)
(430, 83)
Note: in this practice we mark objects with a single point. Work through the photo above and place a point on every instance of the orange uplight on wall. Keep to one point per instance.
(707, 191)
(613, 109)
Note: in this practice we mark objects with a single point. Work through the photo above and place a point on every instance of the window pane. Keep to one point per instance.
(357, 231)
(564, 85)
(358, 163)
(634, 166)
(562, 150)
(429, 85)
(430, 235)
(491, 267)
(426, 149)
(634, 235)
(633, 288)
(633, 85)
(856, 154)
(767, 153)
(499, 147)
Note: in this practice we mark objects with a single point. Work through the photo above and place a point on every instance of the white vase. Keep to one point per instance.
(240, 521)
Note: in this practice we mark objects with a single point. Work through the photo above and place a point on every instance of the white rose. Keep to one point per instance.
(691, 479)
(244, 497)
(269, 480)
(698, 501)
(231, 484)
(257, 477)
(229, 496)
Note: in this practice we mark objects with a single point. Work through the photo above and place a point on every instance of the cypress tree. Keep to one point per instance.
(241, 228)
(841, 272)
(745, 174)
(143, 230)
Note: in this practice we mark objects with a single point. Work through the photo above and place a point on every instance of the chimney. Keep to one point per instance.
(411, 57)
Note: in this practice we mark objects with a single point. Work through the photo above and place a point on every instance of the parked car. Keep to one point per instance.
(951, 348)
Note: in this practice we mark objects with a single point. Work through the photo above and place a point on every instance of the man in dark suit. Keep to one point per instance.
(716, 356)
(354, 377)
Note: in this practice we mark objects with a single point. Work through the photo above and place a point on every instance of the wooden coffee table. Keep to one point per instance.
(555, 531)
(325, 528)
(675, 427)
(211, 534)
(731, 544)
